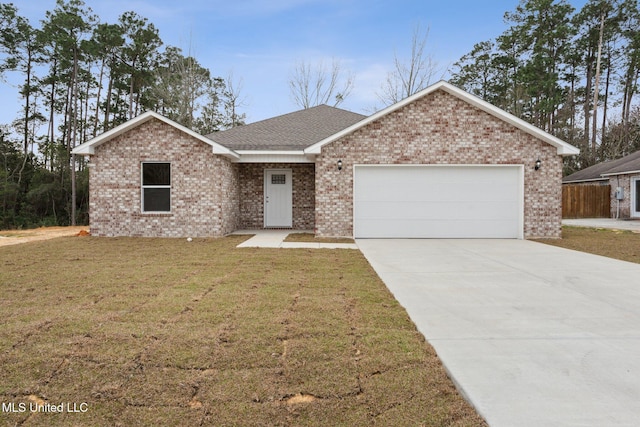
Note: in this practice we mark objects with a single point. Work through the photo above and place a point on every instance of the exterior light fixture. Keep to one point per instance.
(339, 165)
(538, 164)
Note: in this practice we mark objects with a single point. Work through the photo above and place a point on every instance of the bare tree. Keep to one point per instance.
(318, 84)
(233, 100)
(412, 75)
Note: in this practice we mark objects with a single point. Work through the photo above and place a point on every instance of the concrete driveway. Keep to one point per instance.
(532, 334)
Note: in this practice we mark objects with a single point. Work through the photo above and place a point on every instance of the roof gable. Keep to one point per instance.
(88, 148)
(292, 131)
(562, 147)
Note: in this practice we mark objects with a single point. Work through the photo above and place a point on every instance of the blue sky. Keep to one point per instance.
(260, 41)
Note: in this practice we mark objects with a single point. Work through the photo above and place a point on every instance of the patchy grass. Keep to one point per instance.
(619, 244)
(311, 238)
(166, 332)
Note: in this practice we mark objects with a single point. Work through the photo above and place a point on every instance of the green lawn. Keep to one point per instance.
(166, 332)
(619, 244)
(311, 238)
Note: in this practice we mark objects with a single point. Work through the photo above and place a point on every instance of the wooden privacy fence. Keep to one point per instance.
(586, 201)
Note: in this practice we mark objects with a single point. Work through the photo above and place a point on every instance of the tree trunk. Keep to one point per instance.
(75, 131)
(131, 85)
(607, 81)
(85, 122)
(587, 103)
(64, 163)
(631, 76)
(107, 109)
(595, 92)
(572, 118)
(27, 108)
(52, 99)
(95, 122)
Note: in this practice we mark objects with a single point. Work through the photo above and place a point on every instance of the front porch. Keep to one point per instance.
(296, 210)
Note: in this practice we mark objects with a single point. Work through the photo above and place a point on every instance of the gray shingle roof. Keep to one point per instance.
(627, 164)
(630, 163)
(293, 131)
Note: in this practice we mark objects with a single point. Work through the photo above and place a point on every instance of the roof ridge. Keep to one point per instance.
(291, 131)
(281, 116)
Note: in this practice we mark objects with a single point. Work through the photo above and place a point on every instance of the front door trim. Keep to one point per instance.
(278, 198)
(634, 189)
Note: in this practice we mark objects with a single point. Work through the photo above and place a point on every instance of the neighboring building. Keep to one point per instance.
(441, 163)
(623, 177)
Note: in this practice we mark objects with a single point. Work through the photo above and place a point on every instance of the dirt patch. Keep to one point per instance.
(195, 403)
(300, 398)
(14, 237)
(36, 400)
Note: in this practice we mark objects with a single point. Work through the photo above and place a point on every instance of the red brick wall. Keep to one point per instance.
(439, 129)
(251, 178)
(204, 186)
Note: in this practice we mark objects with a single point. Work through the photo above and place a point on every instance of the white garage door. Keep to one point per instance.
(438, 201)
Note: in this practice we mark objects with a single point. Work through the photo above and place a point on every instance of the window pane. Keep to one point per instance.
(278, 179)
(637, 184)
(156, 174)
(157, 200)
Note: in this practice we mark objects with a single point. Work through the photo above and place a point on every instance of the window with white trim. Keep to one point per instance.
(156, 187)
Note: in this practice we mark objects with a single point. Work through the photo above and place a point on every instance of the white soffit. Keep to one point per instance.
(266, 156)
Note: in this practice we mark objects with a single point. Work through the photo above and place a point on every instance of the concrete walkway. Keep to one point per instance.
(614, 224)
(533, 335)
(275, 239)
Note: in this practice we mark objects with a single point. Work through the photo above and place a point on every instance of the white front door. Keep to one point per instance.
(635, 197)
(278, 198)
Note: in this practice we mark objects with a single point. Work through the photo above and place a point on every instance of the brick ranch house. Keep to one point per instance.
(623, 178)
(441, 164)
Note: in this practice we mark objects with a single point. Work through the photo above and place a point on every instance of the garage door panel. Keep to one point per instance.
(450, 194)
(438, 201)
(425, 229)
(457, 210)
(424, 187)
